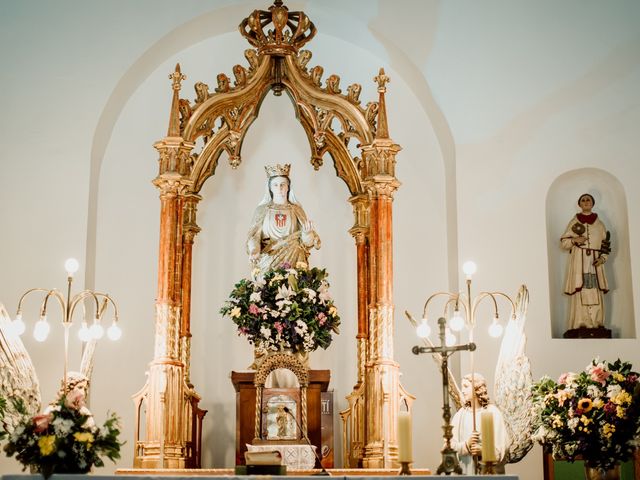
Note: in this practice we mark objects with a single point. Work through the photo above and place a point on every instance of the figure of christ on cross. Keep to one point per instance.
(450, 462)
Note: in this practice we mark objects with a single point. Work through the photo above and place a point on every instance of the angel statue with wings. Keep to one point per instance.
(512, 399)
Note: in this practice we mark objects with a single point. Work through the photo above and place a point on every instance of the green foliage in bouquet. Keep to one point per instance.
(288, 308)
(593, 415)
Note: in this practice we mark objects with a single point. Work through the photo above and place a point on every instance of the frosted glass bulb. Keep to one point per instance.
(84, 334)
(457, 321)
(495, 330)
(96, 331)
(450, 338)
(71, 266)
(18, 325)
(469, 268)
(41, 330)
(423, 329)
(114, 332)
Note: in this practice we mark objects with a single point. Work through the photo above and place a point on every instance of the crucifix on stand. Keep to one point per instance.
(450, 462)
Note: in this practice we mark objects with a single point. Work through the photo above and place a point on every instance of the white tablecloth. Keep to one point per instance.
(295, 457)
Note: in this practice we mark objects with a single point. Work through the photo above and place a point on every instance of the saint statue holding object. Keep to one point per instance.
(588, 242)
(280, 232)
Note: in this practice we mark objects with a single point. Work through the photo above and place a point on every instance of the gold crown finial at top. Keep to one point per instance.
(277, 30)
(277, 170)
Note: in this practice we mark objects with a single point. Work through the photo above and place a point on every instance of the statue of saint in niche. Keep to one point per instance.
(280, 233)
(588, 242)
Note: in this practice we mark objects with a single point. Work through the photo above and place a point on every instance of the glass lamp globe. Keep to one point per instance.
(457, 321)
(18, 325)
(114, 332)
(41, 329)
(71, 266)
(423, 330)
(84, 334)
(469, 268)
(96, 330)
(495, 330)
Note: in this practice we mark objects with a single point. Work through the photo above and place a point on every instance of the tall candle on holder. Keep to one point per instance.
(487, 437)
(405, 447)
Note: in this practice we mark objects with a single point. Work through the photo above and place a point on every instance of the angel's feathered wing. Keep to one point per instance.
(513, 382)
(18, 377)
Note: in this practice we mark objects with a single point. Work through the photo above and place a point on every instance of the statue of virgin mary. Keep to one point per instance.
(280, 233)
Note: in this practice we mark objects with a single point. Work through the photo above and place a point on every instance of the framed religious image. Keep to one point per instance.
(279, 408)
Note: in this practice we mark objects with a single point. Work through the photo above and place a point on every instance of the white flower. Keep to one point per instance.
(266, 332)
(593, 391)
(254, 297)
(284, 292)
(300, 328)
(311, 293)
(62, 427)
(573, 423)
(613, 390)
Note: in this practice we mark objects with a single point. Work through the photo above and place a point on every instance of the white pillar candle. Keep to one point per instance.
(487, 437)
(405, 448)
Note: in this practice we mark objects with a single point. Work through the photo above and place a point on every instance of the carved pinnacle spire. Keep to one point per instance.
(174, 117)
(383, 129)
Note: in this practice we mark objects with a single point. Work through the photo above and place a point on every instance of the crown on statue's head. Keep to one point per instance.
(278, 170)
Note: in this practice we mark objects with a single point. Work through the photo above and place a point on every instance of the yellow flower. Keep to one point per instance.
(84, 437)
(235, 312)
(608, 429)
(585, 420)
(585, 404)
(620, 411)
(598, 403)
(332, 311)
(618, 377)
(47, 444)
(622, 398)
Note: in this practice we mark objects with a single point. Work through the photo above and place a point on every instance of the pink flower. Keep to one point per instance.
(599, 374)
(563, 378)
(253, 309)
(243, 330)
(322, 318)
(42, 421)
(278, 326)
(74, 399)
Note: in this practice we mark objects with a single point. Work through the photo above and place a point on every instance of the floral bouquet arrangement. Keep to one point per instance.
(288, 308)
(593, 415)
(63, 439)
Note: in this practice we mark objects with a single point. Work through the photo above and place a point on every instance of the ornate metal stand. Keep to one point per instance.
(450, 462)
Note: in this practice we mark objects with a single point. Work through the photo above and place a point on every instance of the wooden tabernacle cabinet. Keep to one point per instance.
(319, 413)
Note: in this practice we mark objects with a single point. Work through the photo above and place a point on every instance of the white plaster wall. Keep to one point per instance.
(491, 102)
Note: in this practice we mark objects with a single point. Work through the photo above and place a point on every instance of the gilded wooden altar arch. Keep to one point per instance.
(333, 121)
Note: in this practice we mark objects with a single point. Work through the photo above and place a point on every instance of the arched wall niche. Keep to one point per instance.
(611, 207)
